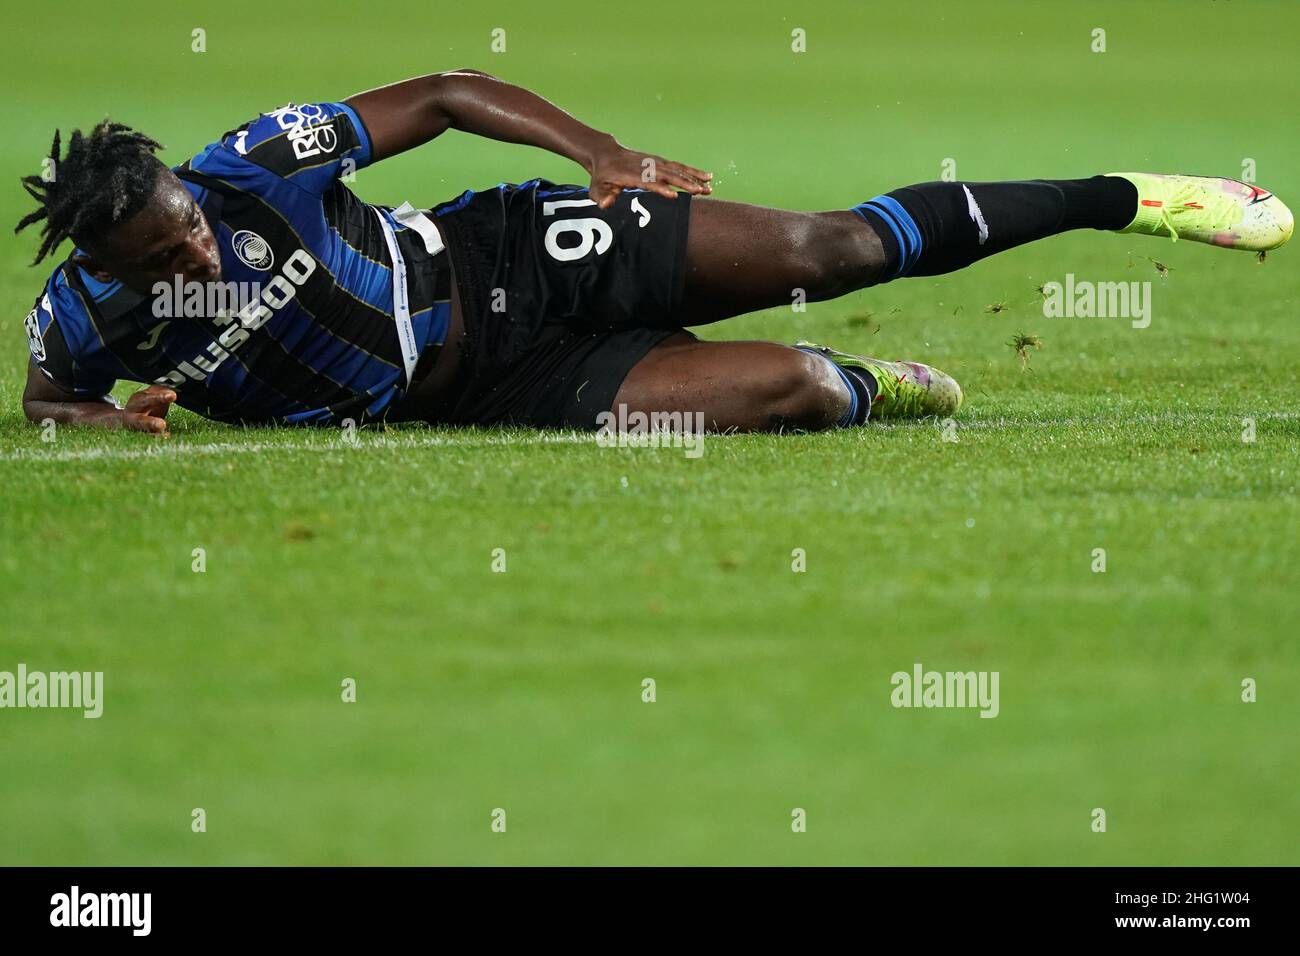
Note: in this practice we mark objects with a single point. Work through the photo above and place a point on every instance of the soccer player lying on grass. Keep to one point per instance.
(534, 304)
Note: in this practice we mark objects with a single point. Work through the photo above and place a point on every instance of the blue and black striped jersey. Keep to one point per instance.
(317, 342)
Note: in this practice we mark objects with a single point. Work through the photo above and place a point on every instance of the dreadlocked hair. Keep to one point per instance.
(105, 177)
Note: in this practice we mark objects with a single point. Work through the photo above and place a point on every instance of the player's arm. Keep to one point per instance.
(407, 114)
(145, 411)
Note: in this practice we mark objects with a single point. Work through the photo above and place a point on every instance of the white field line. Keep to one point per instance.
(176, 449)
(173, 448)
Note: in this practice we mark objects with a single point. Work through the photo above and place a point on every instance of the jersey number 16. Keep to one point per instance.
(594, 233)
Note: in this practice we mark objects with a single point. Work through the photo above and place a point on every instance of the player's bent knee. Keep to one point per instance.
(805, 393)
(834, 254)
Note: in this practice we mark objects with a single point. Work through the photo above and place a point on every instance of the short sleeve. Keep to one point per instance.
(54, 352)
(312, 144)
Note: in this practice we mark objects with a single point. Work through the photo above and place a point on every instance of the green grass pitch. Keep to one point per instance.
(523, 691)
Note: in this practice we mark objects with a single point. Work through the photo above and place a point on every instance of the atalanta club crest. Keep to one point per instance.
(253, 251)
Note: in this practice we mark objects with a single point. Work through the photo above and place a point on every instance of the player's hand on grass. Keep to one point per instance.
(615, 168)
(146, 410)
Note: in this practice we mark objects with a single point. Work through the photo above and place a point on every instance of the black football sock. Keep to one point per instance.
(933, 228)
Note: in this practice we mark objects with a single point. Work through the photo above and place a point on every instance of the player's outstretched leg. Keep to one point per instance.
(740, 258)
(763, 386)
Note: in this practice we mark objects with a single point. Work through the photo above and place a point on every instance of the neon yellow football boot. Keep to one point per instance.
(903, 389)
(1221, 212)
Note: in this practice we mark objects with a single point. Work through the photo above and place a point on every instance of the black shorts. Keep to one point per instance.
(560, 299)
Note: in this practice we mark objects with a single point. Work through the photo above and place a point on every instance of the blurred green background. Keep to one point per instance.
(523, 690)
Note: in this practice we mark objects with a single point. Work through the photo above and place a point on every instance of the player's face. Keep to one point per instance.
(168, 237)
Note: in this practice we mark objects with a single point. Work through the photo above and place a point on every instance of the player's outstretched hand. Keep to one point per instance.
(616, 168)
(146, 410)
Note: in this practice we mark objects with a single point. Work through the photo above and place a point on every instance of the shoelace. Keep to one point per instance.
(1221, 212)
(900, 397)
